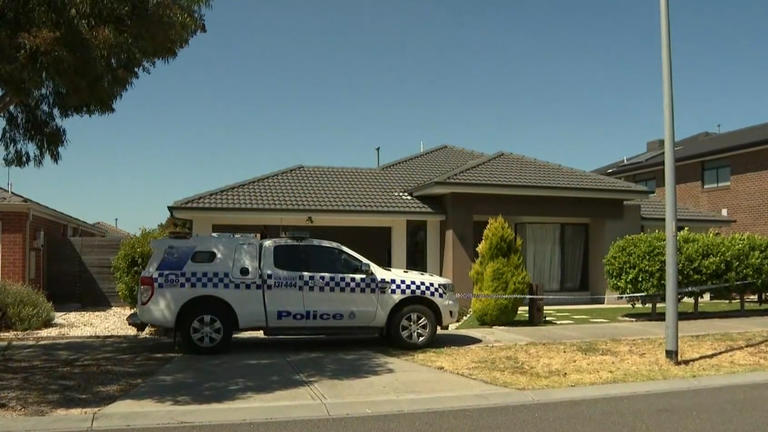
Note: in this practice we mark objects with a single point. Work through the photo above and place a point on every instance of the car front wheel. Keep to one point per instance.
(412, 327)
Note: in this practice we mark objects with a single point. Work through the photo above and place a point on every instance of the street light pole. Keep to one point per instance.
(670, 195)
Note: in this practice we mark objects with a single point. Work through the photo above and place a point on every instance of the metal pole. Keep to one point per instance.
(670, 198)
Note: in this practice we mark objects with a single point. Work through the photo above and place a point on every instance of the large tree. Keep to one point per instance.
(65, 58)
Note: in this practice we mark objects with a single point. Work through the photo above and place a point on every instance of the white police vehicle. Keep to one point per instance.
(206, 287)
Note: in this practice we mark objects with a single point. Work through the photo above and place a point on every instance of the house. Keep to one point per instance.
(427, 212)
(30, 234)
(722, 173)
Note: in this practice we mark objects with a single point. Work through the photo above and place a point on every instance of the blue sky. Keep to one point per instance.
(277, 83)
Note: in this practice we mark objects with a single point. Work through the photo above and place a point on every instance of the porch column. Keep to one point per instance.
(202, 227)
(398, 233)
(433, 246)
(457, 252)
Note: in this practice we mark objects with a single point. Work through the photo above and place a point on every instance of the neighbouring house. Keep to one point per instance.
(31, 236)
(722, 173)
(427, 212)
(111, 230)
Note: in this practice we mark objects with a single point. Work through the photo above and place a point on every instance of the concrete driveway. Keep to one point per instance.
(293, 378)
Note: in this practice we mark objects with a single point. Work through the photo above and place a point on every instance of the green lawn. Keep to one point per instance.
(711, 309)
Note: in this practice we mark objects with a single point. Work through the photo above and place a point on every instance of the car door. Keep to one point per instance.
(282, 265)
(336, 290)
(246, 282)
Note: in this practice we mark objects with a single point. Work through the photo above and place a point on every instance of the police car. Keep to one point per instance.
(207, 287)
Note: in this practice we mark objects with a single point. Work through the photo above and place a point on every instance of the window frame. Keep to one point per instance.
(718, 166)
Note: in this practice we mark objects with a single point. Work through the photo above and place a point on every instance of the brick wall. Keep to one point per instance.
(746, 198)
(52, 229)
(12, 252)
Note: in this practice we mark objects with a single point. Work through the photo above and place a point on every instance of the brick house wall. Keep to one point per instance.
(746, 198)
(12, 246)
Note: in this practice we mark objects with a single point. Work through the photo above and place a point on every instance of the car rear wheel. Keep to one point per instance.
(412, 327)
(206, 330)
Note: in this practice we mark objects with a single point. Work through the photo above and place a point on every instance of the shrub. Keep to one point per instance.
(499, 270)
(23, 308)
(130, 261)
(635, 264)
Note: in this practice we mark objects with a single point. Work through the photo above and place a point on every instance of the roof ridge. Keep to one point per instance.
(413, 156)
(237, 184)
(590, 173)
(468, 166)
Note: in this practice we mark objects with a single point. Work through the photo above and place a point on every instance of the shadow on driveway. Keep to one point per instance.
(45, 376)
(272, 370)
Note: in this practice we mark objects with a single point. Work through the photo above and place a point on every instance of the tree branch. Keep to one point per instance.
(6, 101)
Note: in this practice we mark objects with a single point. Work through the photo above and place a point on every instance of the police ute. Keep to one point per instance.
(207, 287)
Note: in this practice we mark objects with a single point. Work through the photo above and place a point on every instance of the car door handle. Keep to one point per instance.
(384, 286)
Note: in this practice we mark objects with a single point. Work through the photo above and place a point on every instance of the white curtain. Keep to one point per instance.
(574, 240)
(542, 254)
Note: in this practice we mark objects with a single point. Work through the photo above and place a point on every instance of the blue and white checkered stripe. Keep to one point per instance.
(326, 283)
(412, 287)
(214, 280)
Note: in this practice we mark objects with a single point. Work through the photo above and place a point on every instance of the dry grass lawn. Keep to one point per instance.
(552, 365)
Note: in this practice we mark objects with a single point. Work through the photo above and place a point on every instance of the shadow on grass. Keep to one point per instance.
(723, 352)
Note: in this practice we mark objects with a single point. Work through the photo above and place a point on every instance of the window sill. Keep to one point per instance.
(717, 188)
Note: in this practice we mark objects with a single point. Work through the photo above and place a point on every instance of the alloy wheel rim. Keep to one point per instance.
(206, 331)
(414, 327)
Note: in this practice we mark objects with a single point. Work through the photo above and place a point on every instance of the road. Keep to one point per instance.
(731, 408)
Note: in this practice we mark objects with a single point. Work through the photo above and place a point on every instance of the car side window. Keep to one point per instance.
(290, 258)
(203, 257)
(326, 259)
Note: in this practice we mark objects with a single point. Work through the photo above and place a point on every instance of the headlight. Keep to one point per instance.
(447, 287)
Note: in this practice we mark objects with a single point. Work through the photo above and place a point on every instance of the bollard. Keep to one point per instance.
(535, 305)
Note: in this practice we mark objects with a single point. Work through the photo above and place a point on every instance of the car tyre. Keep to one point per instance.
(412, 327)
(206, 330)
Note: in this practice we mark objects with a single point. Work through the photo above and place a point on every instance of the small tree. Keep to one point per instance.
(499, 270)
(131, 259)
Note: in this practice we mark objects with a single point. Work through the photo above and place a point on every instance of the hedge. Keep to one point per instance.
(499, 269)
(635, 264)
(131, 259)
(23, 308)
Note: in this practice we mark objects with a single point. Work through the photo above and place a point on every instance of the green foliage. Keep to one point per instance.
(499, 270)
(635, 264)
(131, 259)
(23, 308)
(174, 224)
(60, 59)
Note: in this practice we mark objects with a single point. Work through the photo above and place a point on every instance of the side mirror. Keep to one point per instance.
(245, 271)
(365, 268)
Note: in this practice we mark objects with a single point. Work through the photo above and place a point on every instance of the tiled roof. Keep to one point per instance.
(337, 189)
(653, 208)
(14, 198)
(386, 189)
(509, 169)
(111, 230)
(703, 144)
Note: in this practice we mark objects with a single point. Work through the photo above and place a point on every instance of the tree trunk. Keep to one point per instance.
(742, 307)
(653, 310)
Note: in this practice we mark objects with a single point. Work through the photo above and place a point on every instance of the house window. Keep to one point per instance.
(716, 173)
(555, 255)
(649, 183)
